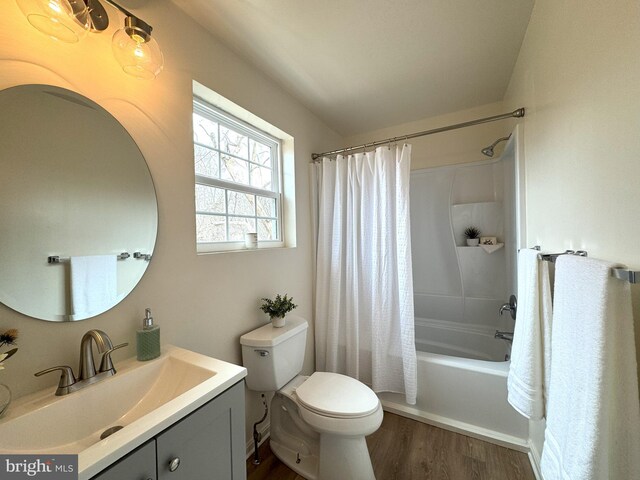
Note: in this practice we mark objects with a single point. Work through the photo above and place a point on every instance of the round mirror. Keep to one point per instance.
(78, 211)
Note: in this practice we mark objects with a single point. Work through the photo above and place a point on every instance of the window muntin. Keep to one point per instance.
(237, 180)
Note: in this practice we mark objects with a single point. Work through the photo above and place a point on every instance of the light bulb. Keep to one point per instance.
(64, 20)
(142, 59)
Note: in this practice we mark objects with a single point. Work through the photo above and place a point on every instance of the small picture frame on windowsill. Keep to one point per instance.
(488, 240)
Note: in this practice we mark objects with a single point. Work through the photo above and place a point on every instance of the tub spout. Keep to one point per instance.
(508, 336)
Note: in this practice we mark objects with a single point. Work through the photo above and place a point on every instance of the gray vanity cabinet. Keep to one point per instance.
(138, 465)
(208, 444)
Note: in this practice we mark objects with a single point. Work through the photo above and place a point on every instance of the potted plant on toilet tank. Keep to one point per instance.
(472, 234)
(277, 308)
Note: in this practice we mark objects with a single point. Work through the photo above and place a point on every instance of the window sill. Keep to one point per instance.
(238, 248)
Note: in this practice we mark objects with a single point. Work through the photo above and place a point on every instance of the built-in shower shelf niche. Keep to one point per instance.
(488, 217)
(488, 249)
(491, 248)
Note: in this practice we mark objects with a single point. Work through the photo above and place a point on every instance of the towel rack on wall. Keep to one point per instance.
(552, 257)
(620, 273)
(627, 275)
(122, 256)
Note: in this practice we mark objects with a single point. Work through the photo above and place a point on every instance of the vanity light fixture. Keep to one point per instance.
(69, 20)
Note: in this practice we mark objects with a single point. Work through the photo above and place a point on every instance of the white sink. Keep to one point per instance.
(143, 397)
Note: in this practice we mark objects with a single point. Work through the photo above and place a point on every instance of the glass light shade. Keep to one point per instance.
(64, 20)
(137, 57)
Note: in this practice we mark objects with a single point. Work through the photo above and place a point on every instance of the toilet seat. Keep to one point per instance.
(336, 396)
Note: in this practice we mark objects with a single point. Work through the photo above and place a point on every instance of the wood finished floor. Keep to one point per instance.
(403, 449)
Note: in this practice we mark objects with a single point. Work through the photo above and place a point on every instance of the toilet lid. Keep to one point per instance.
(335, 395)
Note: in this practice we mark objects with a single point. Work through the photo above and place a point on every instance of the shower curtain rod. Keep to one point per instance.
(515, 114)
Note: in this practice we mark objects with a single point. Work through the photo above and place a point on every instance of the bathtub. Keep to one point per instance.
(461, 340)
(465, 395)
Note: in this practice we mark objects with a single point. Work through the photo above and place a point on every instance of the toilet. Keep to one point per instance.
(318, 422)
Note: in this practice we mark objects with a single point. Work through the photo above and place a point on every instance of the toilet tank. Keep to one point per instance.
(273, 356)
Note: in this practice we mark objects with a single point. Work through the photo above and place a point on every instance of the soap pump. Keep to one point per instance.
(148, 338)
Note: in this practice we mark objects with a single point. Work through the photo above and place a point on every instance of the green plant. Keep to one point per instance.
(471, 233)
(277, 307)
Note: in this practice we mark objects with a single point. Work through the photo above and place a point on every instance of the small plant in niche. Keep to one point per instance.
(277, 308)
(472, 234)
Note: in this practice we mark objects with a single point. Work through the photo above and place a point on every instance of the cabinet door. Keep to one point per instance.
(138, 465)
(208, 444)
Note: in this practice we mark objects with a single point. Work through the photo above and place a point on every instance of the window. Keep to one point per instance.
(237, 186)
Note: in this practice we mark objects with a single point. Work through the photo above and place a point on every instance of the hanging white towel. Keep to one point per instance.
(531, 352)
(93, 285)
(593, 419)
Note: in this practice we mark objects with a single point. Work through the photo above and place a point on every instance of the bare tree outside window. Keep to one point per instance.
(237, 184)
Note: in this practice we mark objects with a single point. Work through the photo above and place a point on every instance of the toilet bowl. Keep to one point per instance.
(318, 423)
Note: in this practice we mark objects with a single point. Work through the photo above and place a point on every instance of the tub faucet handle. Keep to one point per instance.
(511, 307)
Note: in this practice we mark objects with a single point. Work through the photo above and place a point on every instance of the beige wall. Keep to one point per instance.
(448, 148)
(202, 302)
(578, 74)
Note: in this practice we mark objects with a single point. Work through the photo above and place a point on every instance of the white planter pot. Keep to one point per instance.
(278, 322)
(473, 242)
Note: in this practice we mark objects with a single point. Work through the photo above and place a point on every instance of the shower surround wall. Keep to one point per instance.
(458, 289)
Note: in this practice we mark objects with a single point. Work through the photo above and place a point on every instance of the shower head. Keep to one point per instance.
(488, 151)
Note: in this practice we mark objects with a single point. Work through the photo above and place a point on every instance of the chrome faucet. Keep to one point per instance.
(508, 336)
(511, 307)
(87, 371)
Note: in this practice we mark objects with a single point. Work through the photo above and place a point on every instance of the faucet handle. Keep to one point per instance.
(67, 378)
(511, 307)
(106, 364)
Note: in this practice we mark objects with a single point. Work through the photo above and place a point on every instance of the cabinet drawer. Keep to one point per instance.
(138, 465)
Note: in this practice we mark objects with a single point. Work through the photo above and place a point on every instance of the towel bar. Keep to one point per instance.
(627, 275)
(552, 257)
(57, 259)
(619, 273)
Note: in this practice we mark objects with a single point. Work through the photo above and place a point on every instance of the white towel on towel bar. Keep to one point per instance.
(93, 284)
(593, 419)
(531, 353)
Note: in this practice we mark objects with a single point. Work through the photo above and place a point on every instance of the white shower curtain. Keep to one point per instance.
(364, 322)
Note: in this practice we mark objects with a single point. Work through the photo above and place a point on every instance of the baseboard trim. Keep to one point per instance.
(264, 431)
(474, 431)
(534, 459)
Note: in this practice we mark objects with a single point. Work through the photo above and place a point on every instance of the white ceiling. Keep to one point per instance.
(367, 64)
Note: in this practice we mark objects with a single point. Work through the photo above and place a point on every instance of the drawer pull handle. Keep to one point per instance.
(174, 464)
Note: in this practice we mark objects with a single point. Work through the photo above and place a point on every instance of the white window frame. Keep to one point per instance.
(222, 118)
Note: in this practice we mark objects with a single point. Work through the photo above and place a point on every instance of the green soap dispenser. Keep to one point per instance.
(148, 338)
